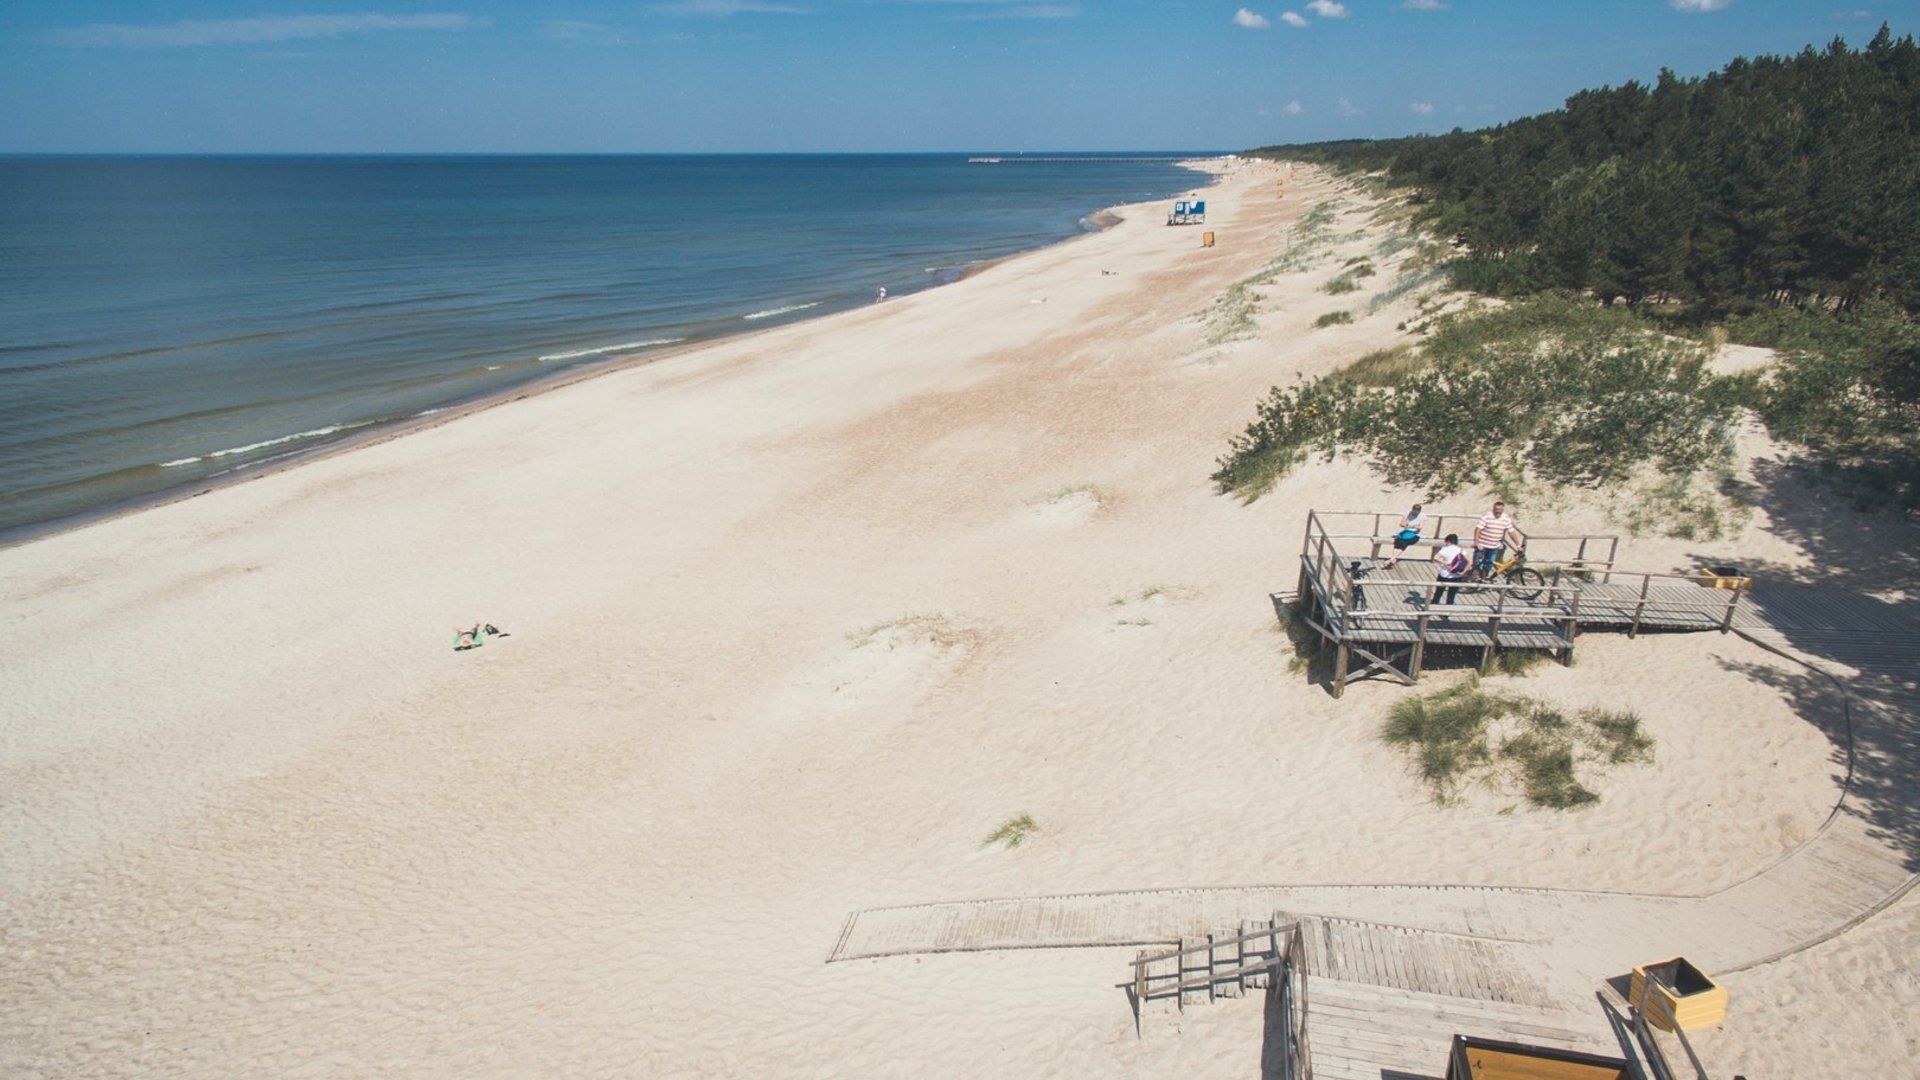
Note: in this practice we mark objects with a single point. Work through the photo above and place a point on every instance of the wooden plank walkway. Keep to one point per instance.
(1423, 961)
(1387, 997)
(1364, 1032)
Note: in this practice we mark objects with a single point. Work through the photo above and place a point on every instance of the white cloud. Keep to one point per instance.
(1348, 108)
(262, 30)
(1293, 18)
(1250, 20)
(1294, 108)
(1424, 108)
(720, 9)
(1423, 5)
(1327, 9)
(1699, 5)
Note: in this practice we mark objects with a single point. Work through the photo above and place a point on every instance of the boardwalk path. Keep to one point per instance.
(1566, 941)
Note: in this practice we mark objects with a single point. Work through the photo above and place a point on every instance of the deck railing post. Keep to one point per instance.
(1573, 627)
(1726, 624)
(1493, 628)
(1641, 607)
(1419, 645)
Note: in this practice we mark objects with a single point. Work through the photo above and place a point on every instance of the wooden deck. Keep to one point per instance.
(1387, 617)
(1387, 994)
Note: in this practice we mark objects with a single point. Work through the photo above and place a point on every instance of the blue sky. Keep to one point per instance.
(841, 75)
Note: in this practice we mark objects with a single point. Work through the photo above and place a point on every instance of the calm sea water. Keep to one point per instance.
(166, 320)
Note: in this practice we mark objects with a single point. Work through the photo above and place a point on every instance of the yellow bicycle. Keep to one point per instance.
(1513, 570)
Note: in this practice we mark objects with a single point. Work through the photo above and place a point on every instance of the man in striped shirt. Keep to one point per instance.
(1490, 537)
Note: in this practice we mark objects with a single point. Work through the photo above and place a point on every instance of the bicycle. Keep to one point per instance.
(1514, 571)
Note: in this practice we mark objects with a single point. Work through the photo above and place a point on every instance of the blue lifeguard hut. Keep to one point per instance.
(1188, 212)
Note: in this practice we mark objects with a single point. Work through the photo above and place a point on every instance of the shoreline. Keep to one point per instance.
(382, 431)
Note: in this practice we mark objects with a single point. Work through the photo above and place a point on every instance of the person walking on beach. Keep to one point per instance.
(1409, 533)
(881, 295)
(1453, 565)
(1490, 537)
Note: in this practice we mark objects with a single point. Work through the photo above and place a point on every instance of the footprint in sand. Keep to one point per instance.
(1069, 506)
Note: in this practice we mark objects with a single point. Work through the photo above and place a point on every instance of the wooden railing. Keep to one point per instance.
(1282, 962)
(1593, 552)
(1589, 560)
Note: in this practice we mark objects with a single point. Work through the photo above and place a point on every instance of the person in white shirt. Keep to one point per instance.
(1453, 564)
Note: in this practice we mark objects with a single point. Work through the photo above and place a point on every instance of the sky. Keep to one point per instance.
(775, 76)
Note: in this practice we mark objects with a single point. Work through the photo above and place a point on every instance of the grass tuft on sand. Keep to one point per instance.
(1468, 736)
(1012, 832)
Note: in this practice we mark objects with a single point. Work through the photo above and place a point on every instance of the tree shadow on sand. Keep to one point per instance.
(1868, 552)
(1854, 606)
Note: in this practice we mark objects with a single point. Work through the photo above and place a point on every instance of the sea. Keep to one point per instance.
(166, 321)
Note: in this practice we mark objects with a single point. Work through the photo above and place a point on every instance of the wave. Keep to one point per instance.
(788, 310)
(264, 443)
(628, 347)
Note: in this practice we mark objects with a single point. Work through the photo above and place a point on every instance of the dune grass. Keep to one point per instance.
(1383, 367)
(1012, 832)
(1333, 318)
(1467, 735)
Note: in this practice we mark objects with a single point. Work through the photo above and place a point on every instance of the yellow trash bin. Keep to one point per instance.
(1206, 239)
(1682, 997)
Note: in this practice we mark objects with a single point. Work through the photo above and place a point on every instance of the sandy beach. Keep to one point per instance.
(795, 621)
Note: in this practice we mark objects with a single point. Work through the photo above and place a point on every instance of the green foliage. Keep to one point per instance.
(1333, 318)
(1549, 389)
(1780, 191)
(1848, 388)
(1451, 735)
(1290, 423)
(1383, 367)
(1775, 180)
(1342, 284)
(1012, 832)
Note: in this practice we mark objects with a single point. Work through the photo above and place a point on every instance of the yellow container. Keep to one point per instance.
(1206, 239)
(1683, 997)
(1723, 577)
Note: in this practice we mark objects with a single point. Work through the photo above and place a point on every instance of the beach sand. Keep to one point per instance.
(796, 621)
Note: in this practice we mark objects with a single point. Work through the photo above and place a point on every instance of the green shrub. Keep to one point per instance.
(1547, 389)
(1847, 388)
(1333, 318)
(1342, 284)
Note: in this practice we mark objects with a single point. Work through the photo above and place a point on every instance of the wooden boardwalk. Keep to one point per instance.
(1397, 969)
(1387, 617)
